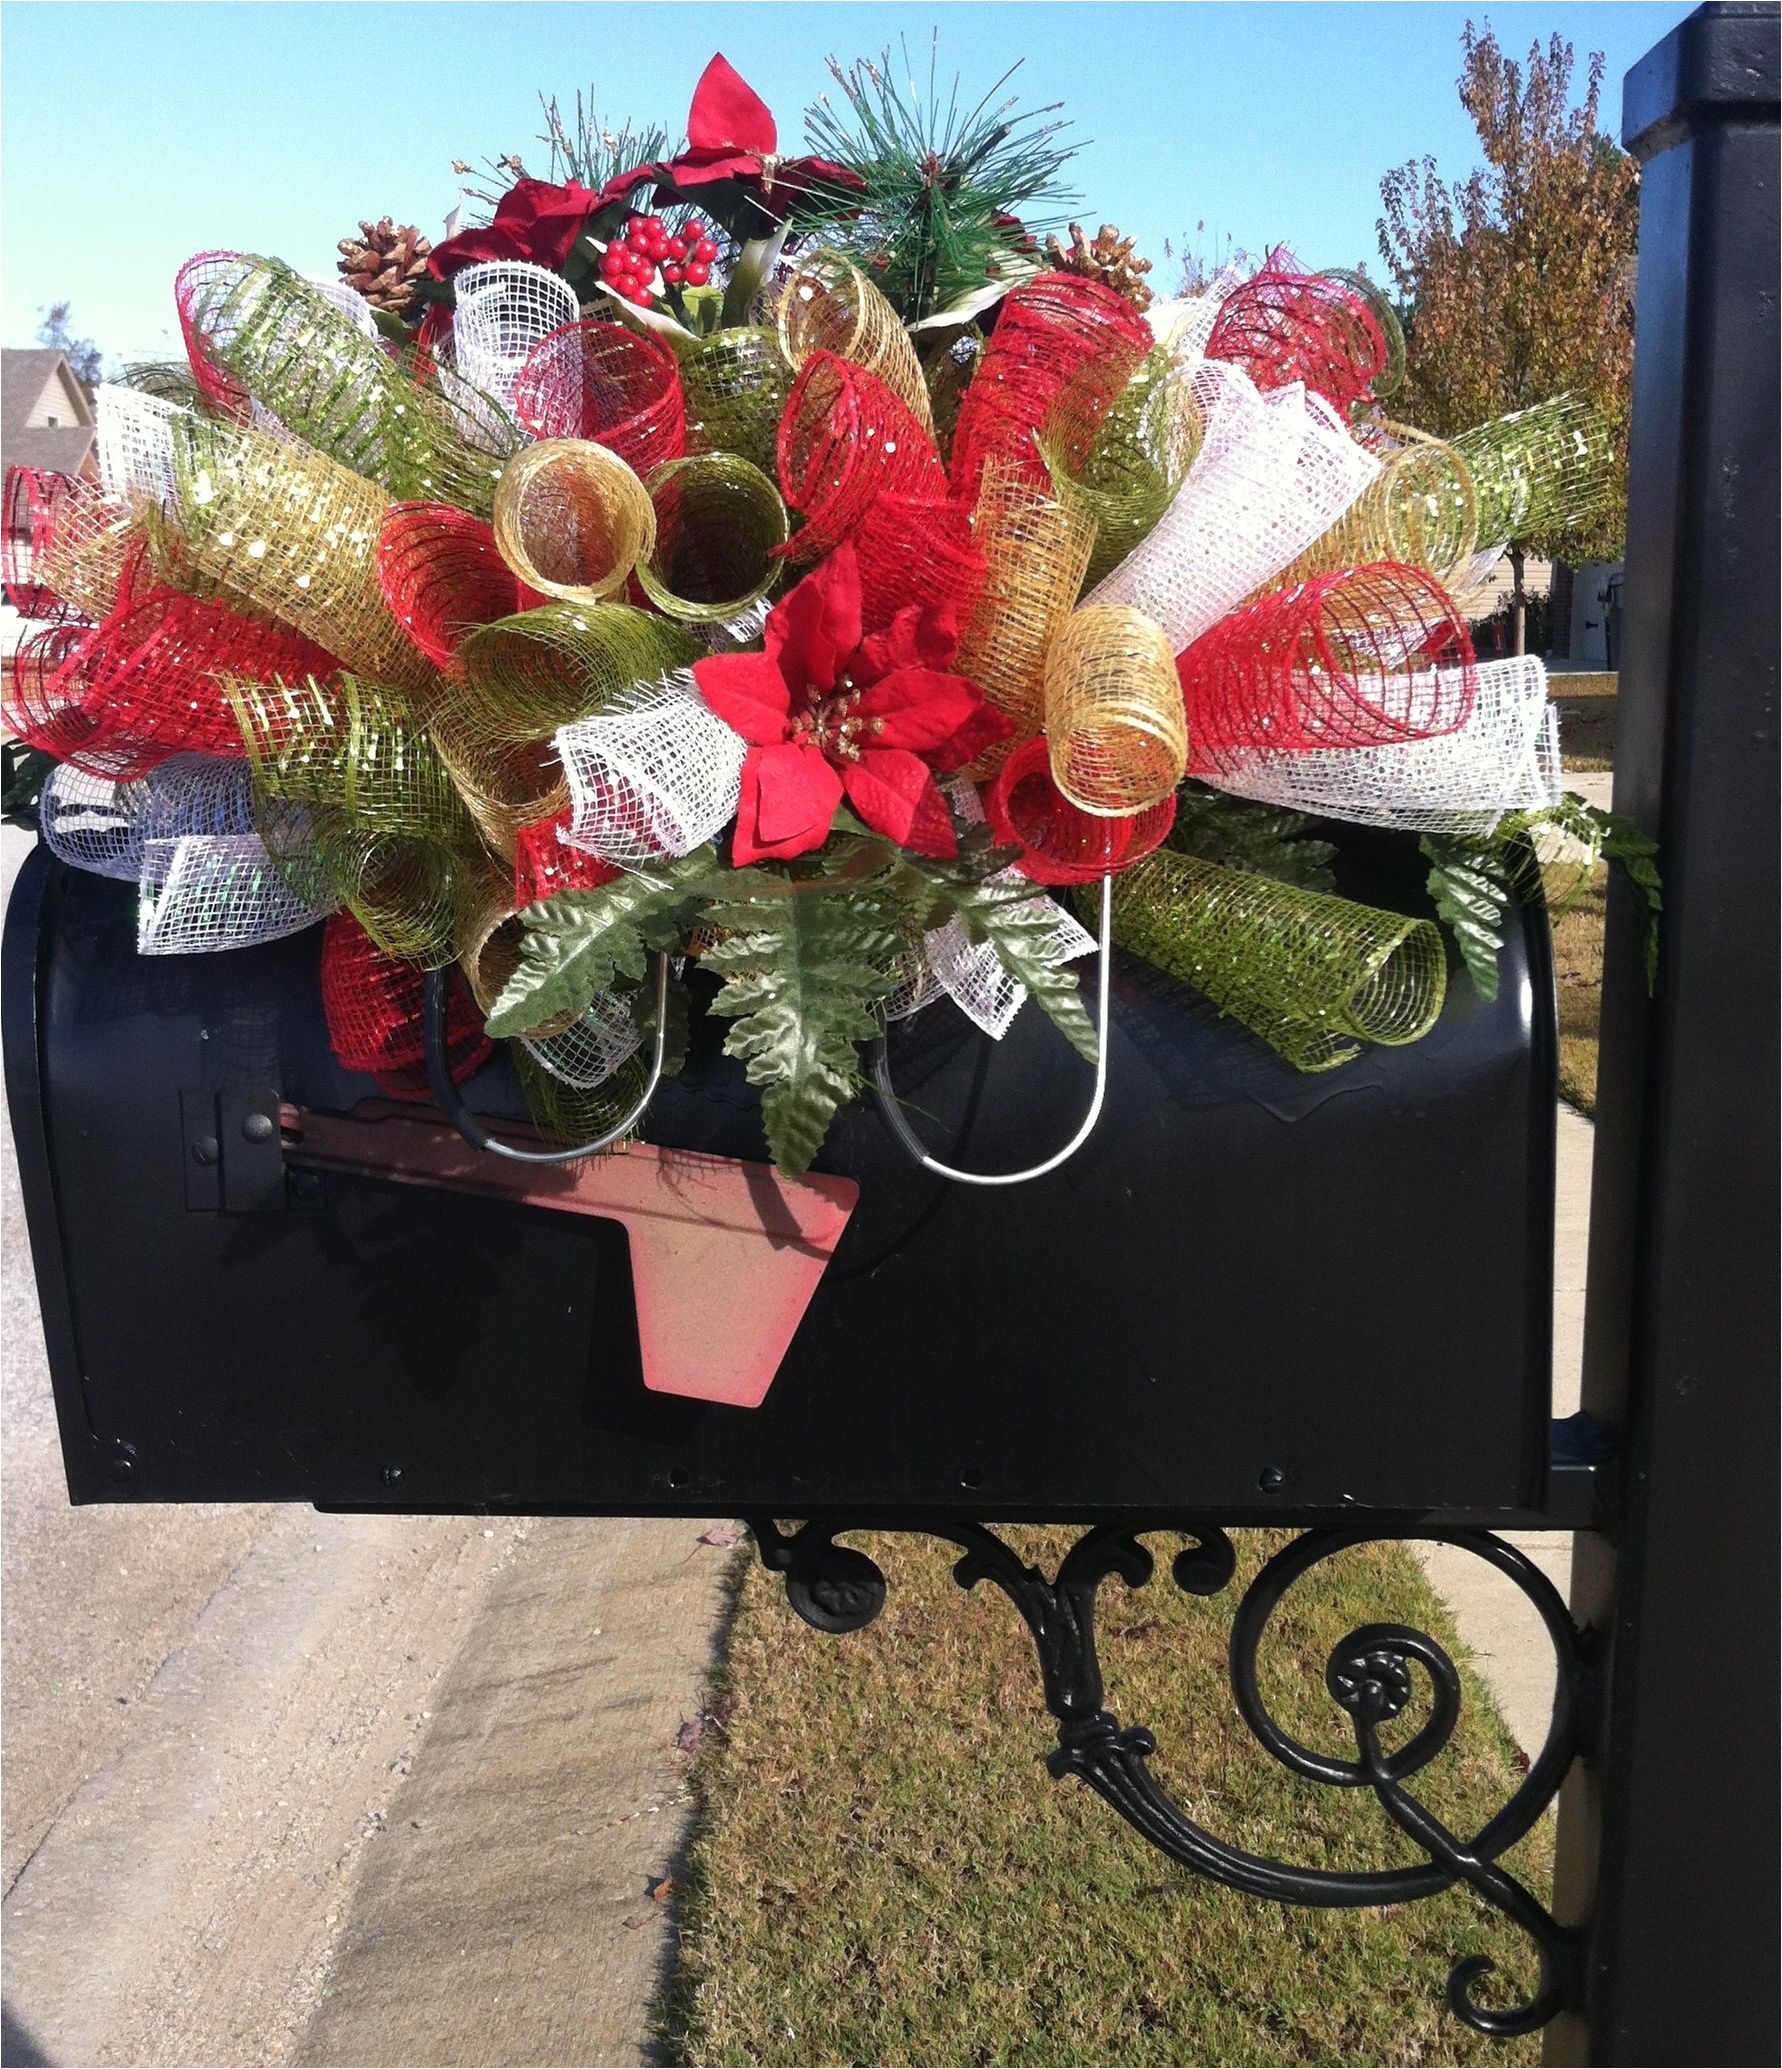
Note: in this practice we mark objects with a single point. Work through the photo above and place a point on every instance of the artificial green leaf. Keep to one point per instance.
(1627, 849)
(1261, 840)
(678, 1019)
(1471, 887)
(750, 273)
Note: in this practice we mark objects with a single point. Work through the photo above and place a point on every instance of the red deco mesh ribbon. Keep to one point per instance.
(1062, 351)
(1364, 657)
(66, 545)
(442, 576)
(846, 441)
(377, 1019)
(603, 382)
(1059, 843)
(545, 863)
(917, 550)
(193, 294)
(1285, 326)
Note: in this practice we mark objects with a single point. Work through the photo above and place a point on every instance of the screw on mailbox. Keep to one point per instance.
(206, 1150)
(259, 1127)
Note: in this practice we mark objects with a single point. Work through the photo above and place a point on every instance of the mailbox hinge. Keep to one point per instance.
(234, 1163)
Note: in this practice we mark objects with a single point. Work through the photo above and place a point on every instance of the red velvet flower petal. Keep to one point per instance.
(919, 708)
(748, 692)
(811, 632)
(728, 114)
(915, 638)
(789, 796)
(896, 796)
(985, 729)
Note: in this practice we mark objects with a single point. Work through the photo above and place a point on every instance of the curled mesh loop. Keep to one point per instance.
(504, 308)
(1540, 470)
(1363, 658)
(572, 520)
(1140, 458)
(1313, 976)
(1115, 727)
(602, 382)
(527, 675)
(376, 1010)
(91, 822)
(918, 550)
(568, 1114)
(735, 383)
(587, 1052)
(203, 892)
(1285, 327)
(401, 890)
(1421, 512)
(1273, 473)
(652, 780)
(828, 305)
(488, 937)
(133, 443)
(440, 575)
(1059, 842)
(845, 440)
(1504, 759)
(1391, 377)
(44, 705)
(545, 863)
(1036, 549)
(720, 526)
(1061, 354)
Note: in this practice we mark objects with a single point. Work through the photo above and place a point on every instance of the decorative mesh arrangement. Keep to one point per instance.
(44, 705)
(545, 863)
(208, 891)
(1062, 352)
(917, 550)
(587, 1052)
(569, 1114)
(1114, 723)
(281, 341)
(720, 528)
(972, 974)
(1421, 512)
(504, 308)
(1504, 759)
(1036, 549)
(845, 440)
(828, 305)
(654, 779)
(603, 382)
(1185, 324)
(133, 443)
(1273, 473)
(67, 544)
(94, 823)
(440, 575)
(735, 384)
(1362, 658)
(1284, 326)
(376, 1010)
(296, 535)
(1313, 976)
(572, 519)
(1140, 458)
(1540, 469)
(1059, 842)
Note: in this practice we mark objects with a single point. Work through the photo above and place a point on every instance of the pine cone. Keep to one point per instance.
(1110, 259)
(383, 262)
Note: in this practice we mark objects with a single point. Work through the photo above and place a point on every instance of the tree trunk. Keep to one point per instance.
(1518, 604)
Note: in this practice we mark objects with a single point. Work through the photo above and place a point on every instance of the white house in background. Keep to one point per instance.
(45, 420)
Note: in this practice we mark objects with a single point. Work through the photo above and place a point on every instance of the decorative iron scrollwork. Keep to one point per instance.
(1373, 1676)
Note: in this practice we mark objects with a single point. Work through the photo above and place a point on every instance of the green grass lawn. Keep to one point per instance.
(883, 1872)
(1578, 969)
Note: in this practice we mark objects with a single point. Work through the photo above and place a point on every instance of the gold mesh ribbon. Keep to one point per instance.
(294, 534)
(720, 523)
(65, 535)
(1036, 552)
(1421, 512)
(572, 519)
(1313, 976)
(488, 937)
(735, 383)
(294, 352)
(1116, 733)
(1541, 469)
(829, 305)
(1140, 457)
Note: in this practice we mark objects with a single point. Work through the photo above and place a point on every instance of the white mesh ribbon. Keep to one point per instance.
(348, 300)
(655, 778)
(207, 891)
(1504, 759)
(95, 824)
(1273, 472)
(587, 1053)
(971, 973)
(504, 308)
(1186, 323)
(133, 441)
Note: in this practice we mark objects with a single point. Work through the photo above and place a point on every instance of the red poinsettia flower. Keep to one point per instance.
(732, 138)
(533, 220)
(829, 713)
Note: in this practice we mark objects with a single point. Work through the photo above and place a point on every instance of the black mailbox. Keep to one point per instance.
(1252, 1294)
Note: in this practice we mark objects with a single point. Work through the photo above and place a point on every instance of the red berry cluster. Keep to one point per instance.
(629, 263)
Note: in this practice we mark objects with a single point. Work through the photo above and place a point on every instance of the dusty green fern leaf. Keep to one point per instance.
(1261, 840)
(1472, 888)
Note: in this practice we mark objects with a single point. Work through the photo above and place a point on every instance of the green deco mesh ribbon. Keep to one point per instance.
(719, 523)
(735, 384)
(1140, 458)
(315, 370)
(568, 1114)
(1313, 976)
(1540, 470)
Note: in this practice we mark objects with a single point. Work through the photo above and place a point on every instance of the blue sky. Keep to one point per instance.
(132, 135)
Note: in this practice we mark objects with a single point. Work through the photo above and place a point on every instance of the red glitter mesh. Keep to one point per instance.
(441, 576)
(1363, 657)
(67, 545)
(603, 382)
(32, 502)
(1062, 351)
(42, 703)
(917, 550)
(845, 441)
(377, 1020)
(1285, 326)
(191, 285)
(545, 863)
(1060, 844)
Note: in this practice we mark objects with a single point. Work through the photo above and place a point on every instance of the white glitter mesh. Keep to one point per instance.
(1504, 759)
(1186, 323)
(204, 891)
(95, 824)
(971, 973)
(348, 300)
(1274, 471)
(587, 1054)
(133, 442)
(656, 778)
(504, 308)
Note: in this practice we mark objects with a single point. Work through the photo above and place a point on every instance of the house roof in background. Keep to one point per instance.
(59, 449)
